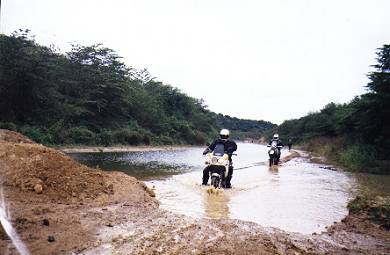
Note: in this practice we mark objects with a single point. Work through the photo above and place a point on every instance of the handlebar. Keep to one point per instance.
(279, 146)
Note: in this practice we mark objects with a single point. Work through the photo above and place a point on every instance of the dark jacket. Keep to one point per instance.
(230, 146)
(279, 142)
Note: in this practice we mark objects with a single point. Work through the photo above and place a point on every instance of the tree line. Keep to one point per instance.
(355, 134)
(89, 96)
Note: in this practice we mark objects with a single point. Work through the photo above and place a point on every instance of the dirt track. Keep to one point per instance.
(89, 211)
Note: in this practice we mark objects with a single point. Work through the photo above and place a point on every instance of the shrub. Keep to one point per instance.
(34, 133)
(356, 157)
(8, 125)
(81, 135)
(162, 139)
(126, 136)
(106, 137)
(147, 139)
(358, 204)
(377, 209)
(200, 138)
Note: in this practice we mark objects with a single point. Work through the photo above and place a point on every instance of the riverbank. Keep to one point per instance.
(351, 157)
(59, 206)
(119, 148)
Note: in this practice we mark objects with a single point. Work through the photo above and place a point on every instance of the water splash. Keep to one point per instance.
(7, 226)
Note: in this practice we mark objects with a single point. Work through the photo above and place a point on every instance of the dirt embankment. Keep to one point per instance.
(88, 211)
(48, 194)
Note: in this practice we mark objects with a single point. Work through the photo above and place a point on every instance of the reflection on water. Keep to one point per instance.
(145, 165)
(298, 196)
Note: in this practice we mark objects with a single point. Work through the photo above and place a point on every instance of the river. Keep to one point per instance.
(299, 196)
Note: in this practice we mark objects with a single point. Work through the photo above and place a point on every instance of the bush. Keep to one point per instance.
(200, 138)
(377, 209)
(8, 125)
(34, 133)
(162, 139)
(358, 204)
(126, 136)
(147, 139)
(356, 157)
(106, 138)
(81, 135)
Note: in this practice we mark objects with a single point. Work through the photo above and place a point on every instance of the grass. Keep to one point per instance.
(349, 156)
(377, 209)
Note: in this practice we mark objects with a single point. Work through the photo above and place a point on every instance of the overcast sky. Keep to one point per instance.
(271, 60)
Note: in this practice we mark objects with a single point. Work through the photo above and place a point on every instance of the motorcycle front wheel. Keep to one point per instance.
(215, 181)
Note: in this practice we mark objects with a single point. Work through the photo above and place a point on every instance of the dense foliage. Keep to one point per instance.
(363, 124)
(89, 96)
(242, 128)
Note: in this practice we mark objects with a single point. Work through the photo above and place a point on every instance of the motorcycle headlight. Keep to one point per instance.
(272, 152)
(221, 160)
(214, 160)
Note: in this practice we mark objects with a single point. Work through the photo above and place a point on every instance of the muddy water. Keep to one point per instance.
(298, 196)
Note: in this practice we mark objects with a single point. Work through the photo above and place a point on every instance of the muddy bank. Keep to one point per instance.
(47, 194)
(88, 211)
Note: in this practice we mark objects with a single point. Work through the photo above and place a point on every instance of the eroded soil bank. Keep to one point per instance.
(88, 211)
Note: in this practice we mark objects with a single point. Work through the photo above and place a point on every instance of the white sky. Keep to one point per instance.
(272, 60)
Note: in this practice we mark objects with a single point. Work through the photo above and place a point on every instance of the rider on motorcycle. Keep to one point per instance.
(278, 141)
(230, 146)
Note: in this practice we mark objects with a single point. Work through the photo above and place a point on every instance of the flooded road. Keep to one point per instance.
(298, 196)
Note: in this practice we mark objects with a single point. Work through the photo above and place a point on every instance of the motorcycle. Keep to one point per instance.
(274, 153)
(218, 164)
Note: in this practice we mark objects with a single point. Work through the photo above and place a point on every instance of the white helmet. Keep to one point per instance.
(224, 134)
(276, 137)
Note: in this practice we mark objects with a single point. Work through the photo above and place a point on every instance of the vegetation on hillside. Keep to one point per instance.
(355, 134)
(89, 96)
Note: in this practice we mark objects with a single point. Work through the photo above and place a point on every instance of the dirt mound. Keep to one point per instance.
(52, 197)
(54, 176)
(13, 137)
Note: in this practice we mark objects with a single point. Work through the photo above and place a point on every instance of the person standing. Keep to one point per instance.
(289, 144)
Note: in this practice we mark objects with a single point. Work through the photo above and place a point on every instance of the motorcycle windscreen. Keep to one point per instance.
(219, 150)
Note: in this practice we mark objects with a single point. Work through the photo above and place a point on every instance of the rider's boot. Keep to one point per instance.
(228, 185)
(205, 178)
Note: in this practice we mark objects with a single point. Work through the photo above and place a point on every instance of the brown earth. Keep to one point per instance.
(40, 184)
(89, 211)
